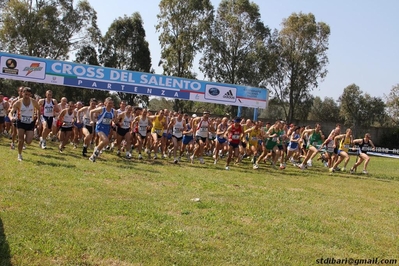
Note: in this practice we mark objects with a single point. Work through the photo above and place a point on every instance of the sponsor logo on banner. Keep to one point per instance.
(54, 79)
(32, 68)
(11, 67)
(214, 91)
(221, 93)
(26, 68)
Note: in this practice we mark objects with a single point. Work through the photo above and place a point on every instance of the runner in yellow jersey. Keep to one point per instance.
(345, 142)
(158, 124)
(254, 134)
(244, 147)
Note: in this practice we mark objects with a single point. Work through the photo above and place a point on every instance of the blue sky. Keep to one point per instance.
(363, 45)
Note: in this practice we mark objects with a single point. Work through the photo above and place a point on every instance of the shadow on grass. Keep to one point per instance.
(5, 255)
(60, 156)
(55, 164)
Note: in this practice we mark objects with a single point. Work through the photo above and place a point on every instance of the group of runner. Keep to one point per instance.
(101, 125)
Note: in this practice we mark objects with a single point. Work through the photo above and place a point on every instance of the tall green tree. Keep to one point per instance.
(303, 108)
(125, 47)
(234, 43)
(359, 109)
(88, 55)
(49, 29)
(299, 59)
(326, 110)
(392, 103)
(182, 24)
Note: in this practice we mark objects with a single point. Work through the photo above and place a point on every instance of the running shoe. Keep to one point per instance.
(92, 158)
(301, 166)
(20, 157)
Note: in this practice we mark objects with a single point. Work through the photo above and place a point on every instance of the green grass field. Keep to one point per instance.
(62, 209)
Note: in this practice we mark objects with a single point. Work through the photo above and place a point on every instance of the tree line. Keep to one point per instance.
(234, 44)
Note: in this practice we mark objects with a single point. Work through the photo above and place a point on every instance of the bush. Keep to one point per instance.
(390, 138)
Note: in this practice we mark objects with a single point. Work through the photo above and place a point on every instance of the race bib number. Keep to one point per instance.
(87, 121)
(48, 109)
(126, 124)
(26, 119)
(254, 138)
(235, 137)
(142, 128)
(107, 121)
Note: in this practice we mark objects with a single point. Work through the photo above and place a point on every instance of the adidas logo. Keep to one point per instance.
(229, 95)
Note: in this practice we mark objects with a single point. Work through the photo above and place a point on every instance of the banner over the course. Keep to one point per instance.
(33, 69)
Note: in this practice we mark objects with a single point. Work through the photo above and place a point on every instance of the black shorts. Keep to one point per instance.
(234, 145)
(158, 136)
(141, 136)
(66, 129)
(48, 120)
(122, 131)
(89, 128)
(177, 138)
(335, 150)
(198, 138)
(2, 120)
(25, 126)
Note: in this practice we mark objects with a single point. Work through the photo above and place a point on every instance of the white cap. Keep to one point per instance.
(194, 116)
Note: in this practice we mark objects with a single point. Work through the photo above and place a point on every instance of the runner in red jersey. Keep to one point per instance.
(234, 134)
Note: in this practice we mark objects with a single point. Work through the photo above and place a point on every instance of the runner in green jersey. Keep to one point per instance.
(315, 140)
